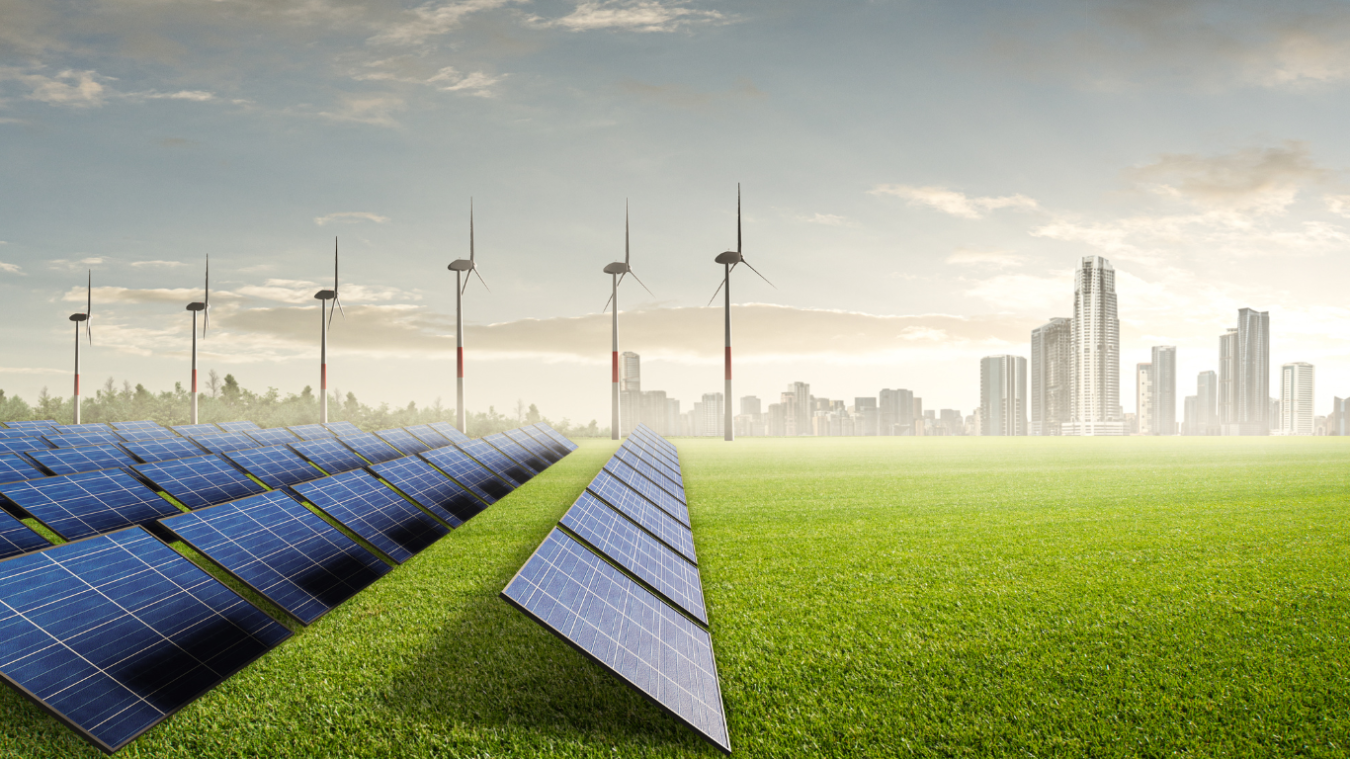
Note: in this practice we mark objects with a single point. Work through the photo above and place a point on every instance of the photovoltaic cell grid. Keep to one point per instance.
(226, 442)
(343, 428)
(450, 432)
(274, 436)
(311, 432)
(403, 441)
(671, 470)
(200, 482)
(17, 537)
(547, 454)
(139, 435)
(16, 468)
(628, 630)
(77, 439)
(432, 490)
(116, 633)
(77, 506)
(5, 434)
(329, 455)
(239, 426)
(516, 452)
(379, 515)
(282, 550)
(89, 458)
(427, 435)
(655, 473)
(192, 430)
(556, 436)
(276, 465)
(24, 444)
(477, 478)
(658, 442)
(665, 456)
(168, 449)
(495, 461)
(141, 425)
(86, 427)
(650, 518)
(31, 425)
(663, 500)
(370, 447)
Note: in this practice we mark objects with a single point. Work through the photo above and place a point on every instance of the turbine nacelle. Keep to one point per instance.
(79, 317)
(325, 295)
(618, 267)
(196, 306)
(462, 264)
(729, 257)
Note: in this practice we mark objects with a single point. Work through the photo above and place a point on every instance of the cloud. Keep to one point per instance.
(175, 295)
(633, 16)
(1338, 204)
(199, 96)
(410, 69)
(368, 108)
(995, 258)
(302, 291)
(9, 268)
(349, 217)
(74, 89)
(158, 263)
(1261, 180)
(420, 24)
(954, 202)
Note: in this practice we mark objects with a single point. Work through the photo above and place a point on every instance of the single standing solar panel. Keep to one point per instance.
(329, 455)
(431, 490)
(548, 454)
(18, 538)
(15, 467)
(77, 439)
(516, 452)
(226, 442)
(496, 462)
(642, 511)
(282, 550)
(380, 516)
(239, 426)
(193, 430)
(167, 449)
(450, 432)
(24, 445)
(633, 549)
(654, 472)
(137, 436)
(89, 458)
(556, 436)
(141, 425)
(114, 634)
(370, 447)
(276, 465)
(470, 474)
(274, 436)
(66, 429)
(649, 490)
(426, 434)
(343, 428)
(311, 432)
(626, 629)
(403, 441)
(77, 506)
(200, 482)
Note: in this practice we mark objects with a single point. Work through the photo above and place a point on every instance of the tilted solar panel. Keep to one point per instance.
(201, 481)
(516, 452)
(243, 426)
(276, 465)
(77, 439)
(137, 436)
(649, 490)
(24, 445)
(77, 506)
(654, 472)
(496, 462)
(450, 432)
(40, 424)
(380, 516)
(403, 441)
(655, 459)
(660, 442)
(88, 458)
(282, 550)
(141, 425)
(329, 455)
(472, 475)
(633, 549)
(371, 447)
(343, 428)
(642, 511)
(226, 442)
(311, 432)
(657, 446)
(7, 434)
(548, 454)
(428, 435)
(431, 490)
(114, 634)
(274, 436)
(193, 430)
(555, 436)
(65, 429)
(167, 449)
(17, 537)
(546, 440)
(15, 467)
(623, 627)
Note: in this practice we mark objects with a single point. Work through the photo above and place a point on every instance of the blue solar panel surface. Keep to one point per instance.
(226, 442)
(667, 502)
(671, 470)
(311, 432)
(556, 436)
(477, 478)
(168, 449)
(450, 432)
(432, 490)
(274, 436)
(428, 435)
(659, 442)
(17, 537)
(24, 444)
(625, 628)
(239, 426)
(658, 446)
(192, 430)
(282, 550)
(330, 455)
(496, 461)
(403, 441)
(276, 465)
(654, 472)
(379, 515)
(141, 425)
(86, 459)
(517, 453)
(31, 425)
(343, 428)
(371, 447)
(148, 434)
(548, 454)
(201, 481)
(652, 519)
(15, 468)
(116, 633)
(77, 506)
(86, 427)
(6, 434)
(77, 439)
(633, 549)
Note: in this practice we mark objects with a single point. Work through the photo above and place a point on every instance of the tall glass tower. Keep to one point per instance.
(1095, 373)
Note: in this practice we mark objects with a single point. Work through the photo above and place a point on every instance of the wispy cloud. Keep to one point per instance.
(70, 88)
(633, 16)
(411, 69)
(420, 24)
(1262, 180)
(367, 108)
(350, 217)
(954, 202)
(9, 268)
(158, 263)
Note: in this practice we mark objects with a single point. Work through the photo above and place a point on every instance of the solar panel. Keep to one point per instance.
(193, 430)
(24, 445)
(201, 481)
(122, 632)
(244, 426)
(141, 425)
(343, 428)
(653, 492)
(545, 440)
(17, 537)
(17, 468)
(655, 459)
(77, 506)
(665, 446)
(548, 454)
(371, 447)
(626, 629)
(274, 436)
(311, 432)
(81, 428)
(167, 449)
(87, 459)
(329, 455)
(379, 515)
(497, 462)
(516, 452)
(282, 550)
(39, 424)
(450, 432)
(658, 447)
(432, 490)
(470, 474)
(556, 436)
(654, 472)
(276, 465)
(403, 441)
(426, 434)
(633, 549)
(147, 434)
(650, 518)
(77, 439)
(226, 442)
(7, 434)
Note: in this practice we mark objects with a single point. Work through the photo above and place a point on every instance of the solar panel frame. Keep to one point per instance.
(556, 436)
(89, 458)
(283, 551)
(200, 481)
(311, 432)
(329, 455)
(80, 439)
(239, 426)
(166, 449)
(82, 505)
(644, 513)
(471, 475)
(343, 428)
(66, 429)
(193, 430)
(144, 424)
(620, 625)
(430, 489)
(496, 462)
(404, 441)
(428, 435)
(517, 453)
(130, 590)
(665, 445)
(657, 473)
(38, 424)
(449, 432)
(137, 436)
(671, 470)
(15, 467)
(276, 465)
(654, 445)
(25, 445)
(226, 442)
(546, 440)
(649, 490)
(14, 434)
(371, 447)
(273, 436)
(547, 454)
(17, 538)
(376, 513)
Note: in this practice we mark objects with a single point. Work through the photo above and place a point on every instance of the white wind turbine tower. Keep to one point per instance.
(326, 316)
(730, 260)
(461, 267)
(617, 271)
(205, 308)
(77, 318)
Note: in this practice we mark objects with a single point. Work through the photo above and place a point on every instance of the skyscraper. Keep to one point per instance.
(1296, 399)
(1051, 368)
(800, 423)
(1003, 395)
(1190, 420)
(630, 392)
(1207, 396)
(895, 412)
(1228, 381)
(1164, 401)
(1143, 398)
(1095, 371)
(1244, 357)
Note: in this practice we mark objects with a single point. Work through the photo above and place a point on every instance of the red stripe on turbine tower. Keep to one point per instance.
(728, 362)
(77, 384)
(615, 354)
(323, 377)
(460, 359)
(194, 380)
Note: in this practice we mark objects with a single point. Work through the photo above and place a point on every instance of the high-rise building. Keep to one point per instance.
(1051, 369)
(1095, 371)
(750, 405)
(1296, 399)
(708, 415)
(1164, 401)
(1143, 398)
(1207, 397)
(777, 419)
(630, 392)
(1339, 421)
(1228, 376)
(1003, 395)
(895, 412)
(1190, 420)
(866, 415)
(654, 411)
(801, 408)
(1245, 355)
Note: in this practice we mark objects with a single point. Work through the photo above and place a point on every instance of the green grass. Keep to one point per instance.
(869, 598)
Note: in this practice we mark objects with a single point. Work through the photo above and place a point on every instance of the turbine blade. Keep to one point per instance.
(335, 266)
(718, 290)
(607, 302)
(625, 231)
(621, 276)
(761, 276)
(206, 317)
(644, 287)
(470, 230)
(89, 308)
(465, 286)
(738, 217)
(480, 279)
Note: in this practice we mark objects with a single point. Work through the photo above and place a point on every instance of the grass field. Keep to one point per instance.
(870, 597)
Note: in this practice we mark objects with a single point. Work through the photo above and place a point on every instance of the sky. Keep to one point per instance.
(919, 180)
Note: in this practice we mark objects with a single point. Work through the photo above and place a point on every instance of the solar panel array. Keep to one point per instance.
(88, 458)
(329, 455)
(617, 580)
(201, 481)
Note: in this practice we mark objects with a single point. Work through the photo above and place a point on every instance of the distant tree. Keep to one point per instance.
(532, 416)
(230, 389)
(213, 383)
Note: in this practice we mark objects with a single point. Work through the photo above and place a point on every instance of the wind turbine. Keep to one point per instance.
(77, 318)
(205, 308)
(326, 316)
(617, 271)
(730, 260)
(460, 267)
